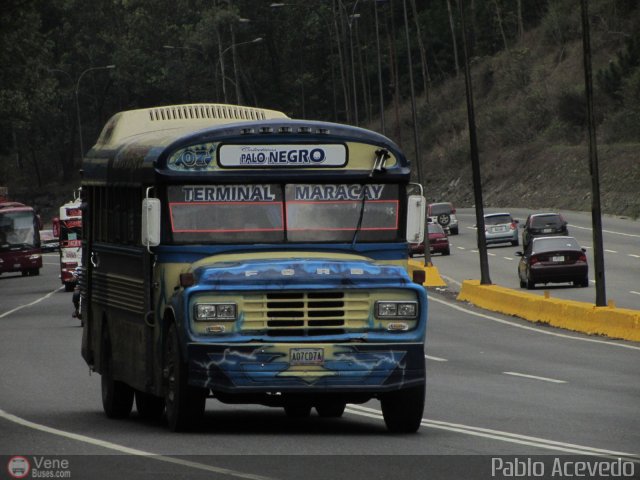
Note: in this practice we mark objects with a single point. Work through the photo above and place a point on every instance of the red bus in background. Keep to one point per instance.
(19, 239)
(68, 228)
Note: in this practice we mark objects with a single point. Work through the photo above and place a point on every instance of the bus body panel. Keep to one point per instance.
(70, 236)
(358, 356)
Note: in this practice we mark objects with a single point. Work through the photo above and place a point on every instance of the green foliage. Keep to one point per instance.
(611, 79)
(571, 107)
(303, 67)
(561, 24)
(517, 69)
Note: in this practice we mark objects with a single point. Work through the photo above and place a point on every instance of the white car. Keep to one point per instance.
(443, 214)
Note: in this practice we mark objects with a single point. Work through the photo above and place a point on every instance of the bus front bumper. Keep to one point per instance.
(289, 367)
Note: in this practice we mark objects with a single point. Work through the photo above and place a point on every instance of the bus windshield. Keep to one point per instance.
(17, 229)
(273, 213)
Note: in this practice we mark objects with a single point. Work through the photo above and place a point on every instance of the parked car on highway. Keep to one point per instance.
(438, 242)
(553, 260)
(543, 225)
(48, 242)
(443, 214)
(501, 228)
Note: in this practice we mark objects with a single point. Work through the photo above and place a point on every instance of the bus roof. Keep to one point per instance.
(141, 146)
(14, 206)
(131, 123)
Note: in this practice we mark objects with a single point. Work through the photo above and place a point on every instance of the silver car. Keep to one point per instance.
(501, 228)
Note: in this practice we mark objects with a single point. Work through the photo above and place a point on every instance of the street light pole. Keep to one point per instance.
(381, 96)
(221, 60)
(106, 67)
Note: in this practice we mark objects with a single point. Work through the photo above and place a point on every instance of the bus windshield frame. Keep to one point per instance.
(281, 213)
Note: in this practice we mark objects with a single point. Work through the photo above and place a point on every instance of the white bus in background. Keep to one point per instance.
(68, 228)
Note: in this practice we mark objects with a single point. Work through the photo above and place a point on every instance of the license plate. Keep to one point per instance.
(547, 230)
(306, 356)
(499, 229)
(557, 259)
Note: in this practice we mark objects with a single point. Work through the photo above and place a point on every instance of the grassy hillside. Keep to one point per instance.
(531, 118)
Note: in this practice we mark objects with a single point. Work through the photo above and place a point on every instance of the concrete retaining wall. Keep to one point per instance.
(577, 316)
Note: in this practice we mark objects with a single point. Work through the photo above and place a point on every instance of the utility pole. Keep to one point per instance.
(596, 215)
(475, 160)
(416, 139)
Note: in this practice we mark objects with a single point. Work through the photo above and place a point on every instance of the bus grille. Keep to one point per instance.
(306, 313)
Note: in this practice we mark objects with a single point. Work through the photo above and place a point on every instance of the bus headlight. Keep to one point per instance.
(388, 310)
(215, 311)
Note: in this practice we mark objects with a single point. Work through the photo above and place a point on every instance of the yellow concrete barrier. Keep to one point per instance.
(433, 278)
(577, 316)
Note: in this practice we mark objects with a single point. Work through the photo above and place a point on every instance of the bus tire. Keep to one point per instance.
(149, 406)
(184, 404)
(117, 396)
(331, 409)
(402, 410)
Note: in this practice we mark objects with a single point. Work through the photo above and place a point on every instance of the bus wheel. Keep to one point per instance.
(185, 404)
(117, 397)
(402, 410)
(331, 409)
(149, 406)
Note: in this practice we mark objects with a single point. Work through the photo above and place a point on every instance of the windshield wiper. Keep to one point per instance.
(378, 167)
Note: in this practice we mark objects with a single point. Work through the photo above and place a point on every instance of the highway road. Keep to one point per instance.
(621, 258)
(496, 386)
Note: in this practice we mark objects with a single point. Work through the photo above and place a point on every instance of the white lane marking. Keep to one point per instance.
(127, 450)
(30, 304)
(534, 377)
(533, 329)
(491, 254)
(451, 280)
(634, 292)
(508, 258)
(634, 256)
(592, 281)
(471, 228)
(587, 247)
(504, 436)
(607, 231)
(474, 251)
(461, 248)
(51, 263)
(610, 251)
(435, 359)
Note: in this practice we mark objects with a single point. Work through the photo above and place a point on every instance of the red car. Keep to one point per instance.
(438, 242)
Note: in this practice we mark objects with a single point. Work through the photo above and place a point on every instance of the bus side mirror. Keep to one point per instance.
(150, 222)
(416, 208)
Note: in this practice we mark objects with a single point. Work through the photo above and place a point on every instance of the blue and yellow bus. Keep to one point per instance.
(234, 253)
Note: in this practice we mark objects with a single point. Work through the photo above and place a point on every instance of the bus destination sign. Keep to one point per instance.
(308, 156)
